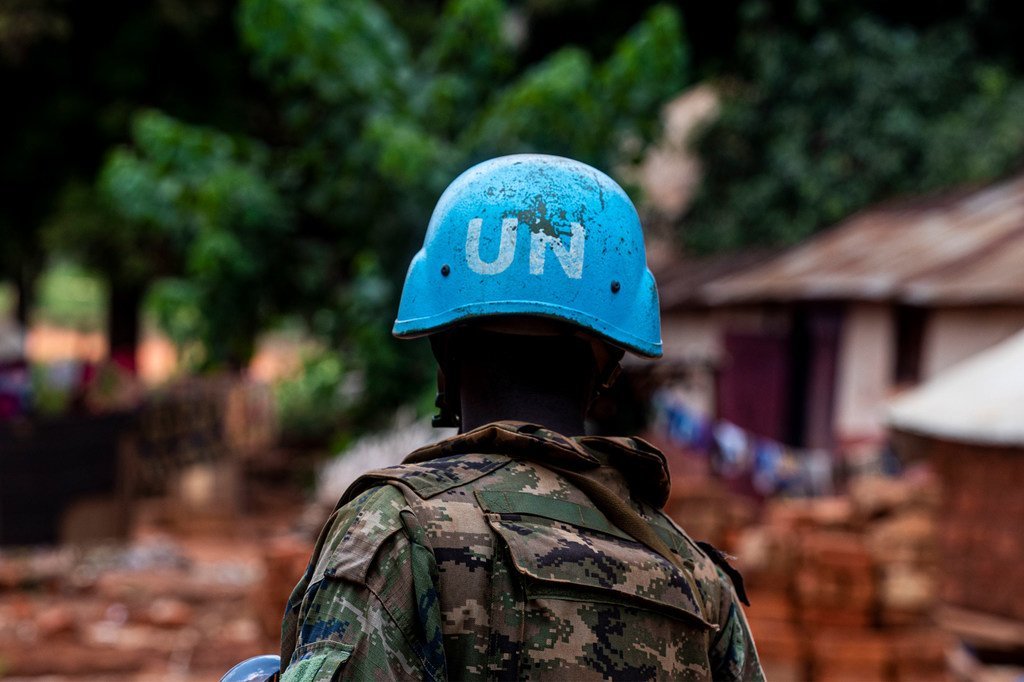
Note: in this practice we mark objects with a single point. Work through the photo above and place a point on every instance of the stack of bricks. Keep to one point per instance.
(708, 511)
(841, 588)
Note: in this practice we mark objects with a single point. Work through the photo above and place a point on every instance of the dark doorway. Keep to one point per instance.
(781, 384)
(819, 328)
(909, 324)
(753, 385)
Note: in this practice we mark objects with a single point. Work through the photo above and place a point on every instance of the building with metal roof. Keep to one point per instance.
(809, 344)
(961, 249)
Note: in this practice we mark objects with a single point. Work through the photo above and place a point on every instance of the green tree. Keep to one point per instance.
(826, 121)
(206, 198)
(378, 127)
(72, 77)
(372, 127)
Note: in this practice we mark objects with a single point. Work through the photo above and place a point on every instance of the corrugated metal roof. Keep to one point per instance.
(681, 281)
(957, 249)
(980, 400)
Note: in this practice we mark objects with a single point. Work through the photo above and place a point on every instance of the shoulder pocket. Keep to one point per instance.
(317, 662)
(568, 551)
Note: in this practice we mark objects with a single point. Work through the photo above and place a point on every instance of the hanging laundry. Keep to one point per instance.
(733, 446)
(755, 465)
(683, 425)
(767, 466)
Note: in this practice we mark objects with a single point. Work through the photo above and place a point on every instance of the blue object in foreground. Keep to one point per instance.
(257, 669)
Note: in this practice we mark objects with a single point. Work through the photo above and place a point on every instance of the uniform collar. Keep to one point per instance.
(641, 464)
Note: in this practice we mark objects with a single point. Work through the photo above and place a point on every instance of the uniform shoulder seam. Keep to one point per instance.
(430, 478)
(369, 521)
(721, 560)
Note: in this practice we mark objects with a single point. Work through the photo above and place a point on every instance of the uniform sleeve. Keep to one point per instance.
(733, 655)
(367, 606)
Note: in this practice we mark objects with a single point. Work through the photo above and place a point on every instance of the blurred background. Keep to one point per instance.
(209, 205)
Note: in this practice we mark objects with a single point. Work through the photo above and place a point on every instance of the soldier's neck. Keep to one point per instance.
(539, 380)
(558, 412)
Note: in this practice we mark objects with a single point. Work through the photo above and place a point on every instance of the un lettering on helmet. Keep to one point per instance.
(571, 258)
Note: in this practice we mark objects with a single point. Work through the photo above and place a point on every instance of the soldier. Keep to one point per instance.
(521, 548)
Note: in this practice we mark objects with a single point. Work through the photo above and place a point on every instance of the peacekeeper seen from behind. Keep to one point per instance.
(520, 548)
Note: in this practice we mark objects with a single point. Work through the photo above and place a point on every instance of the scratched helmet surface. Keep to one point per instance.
(537, 235)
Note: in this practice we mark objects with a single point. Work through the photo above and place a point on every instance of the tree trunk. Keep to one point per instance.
(23, 289)
(123, 323)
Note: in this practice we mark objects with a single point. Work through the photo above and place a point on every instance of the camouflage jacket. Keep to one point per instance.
(478, 559)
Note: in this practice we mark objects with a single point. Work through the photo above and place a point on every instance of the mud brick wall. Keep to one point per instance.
(981, 527)
(200, 420)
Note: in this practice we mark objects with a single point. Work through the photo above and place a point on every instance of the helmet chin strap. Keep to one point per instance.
(606, 359)
(448, 414)
(447, 401)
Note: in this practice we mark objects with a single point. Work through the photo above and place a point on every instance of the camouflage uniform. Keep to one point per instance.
(479, 559)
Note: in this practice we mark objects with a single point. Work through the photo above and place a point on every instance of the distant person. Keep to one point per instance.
(15, 377)
(521, 548)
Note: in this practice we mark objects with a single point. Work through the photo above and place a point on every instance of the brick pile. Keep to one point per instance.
(842, 588)
(163, 607)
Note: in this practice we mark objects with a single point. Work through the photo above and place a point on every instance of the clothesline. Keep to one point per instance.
(772, 468)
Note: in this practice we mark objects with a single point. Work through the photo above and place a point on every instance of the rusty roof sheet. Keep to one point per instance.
(957, 249)
(682, 280)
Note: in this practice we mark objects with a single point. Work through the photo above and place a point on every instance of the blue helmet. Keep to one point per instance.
(536, 235)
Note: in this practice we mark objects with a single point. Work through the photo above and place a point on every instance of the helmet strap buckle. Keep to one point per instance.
(447, 400)
(446, 416)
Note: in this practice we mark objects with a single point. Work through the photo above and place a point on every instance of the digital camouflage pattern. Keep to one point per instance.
(475, 560)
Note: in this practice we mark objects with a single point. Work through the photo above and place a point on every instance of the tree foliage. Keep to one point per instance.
(206, 198)
(379, 126)
(321, 218)
(72, 78)
(828, 120)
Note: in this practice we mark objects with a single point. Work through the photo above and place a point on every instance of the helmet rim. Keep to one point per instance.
(583, 321)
